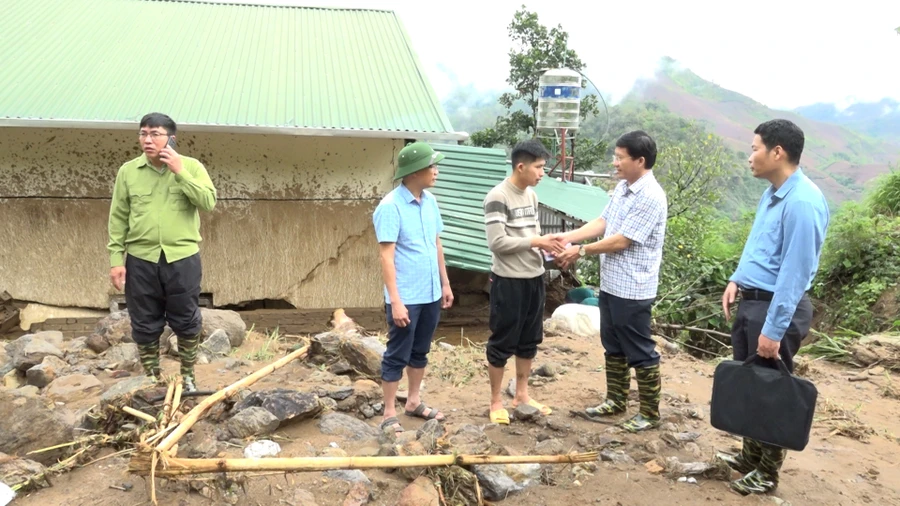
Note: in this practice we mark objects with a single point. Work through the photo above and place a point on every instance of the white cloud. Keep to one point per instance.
(782, 53)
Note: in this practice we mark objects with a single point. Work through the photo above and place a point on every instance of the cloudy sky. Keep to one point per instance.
(783, 53)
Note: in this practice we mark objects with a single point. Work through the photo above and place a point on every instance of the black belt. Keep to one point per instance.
(756, 294)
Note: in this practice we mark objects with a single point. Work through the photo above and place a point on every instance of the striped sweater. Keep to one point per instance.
(511, 219)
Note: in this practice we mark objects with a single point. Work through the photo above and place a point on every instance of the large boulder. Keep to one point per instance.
(32, 423)
(30, 350)
(229, 321)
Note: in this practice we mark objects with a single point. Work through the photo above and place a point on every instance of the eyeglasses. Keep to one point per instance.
(619, 158)
(153, 135)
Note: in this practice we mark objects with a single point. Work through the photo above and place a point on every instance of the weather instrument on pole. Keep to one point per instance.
(559, 113)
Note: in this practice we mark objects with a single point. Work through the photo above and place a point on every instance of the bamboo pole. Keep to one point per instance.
(167, 404)
(200, 409)
(138, 414)
(177, 466)
(176, 403)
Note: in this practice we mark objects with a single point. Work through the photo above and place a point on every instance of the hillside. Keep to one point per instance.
(878, 119)
(840, 160)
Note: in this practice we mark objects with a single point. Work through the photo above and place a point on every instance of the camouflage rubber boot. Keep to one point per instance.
(747, 460)
(649, 384)
(764, 478)
(149, 355)
(187, 352)
(618, 379)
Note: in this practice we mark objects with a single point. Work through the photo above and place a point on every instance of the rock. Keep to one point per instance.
(350, 475)
(616, 457)
(363, 354)
(420, 492)
(115, 328)
(97, 343)
(14, 471)
(877, 371)
(548, 370)
(73, 388)
(30, 350)
(169, 345)
(42, 374)
(77, 348)
(13, 379)
(217, 345)
(358, 495)
(338, 393)
(262, 449)
(550, 447)
(368, 389)
(340, 367)
(325, 346)
(412, 448)
(32, 423)
(205, 448)
(366, 411)
(6, 364)
(446, 346)
(500, 481)
(526, 412)
(116, 393)
(470, 440)
(286, 405)
(333, 452)
(329, 379)
(123, 356)
(302, 497)
(29, 390)
(253, 421)
(432, 428)
(229, 321)
(338, 424)
(511, 388)
(687, 469)
(233, 364)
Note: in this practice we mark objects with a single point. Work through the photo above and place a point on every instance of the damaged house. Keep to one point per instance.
(298, 114)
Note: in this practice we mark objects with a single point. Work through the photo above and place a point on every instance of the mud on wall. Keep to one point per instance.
(294, 219)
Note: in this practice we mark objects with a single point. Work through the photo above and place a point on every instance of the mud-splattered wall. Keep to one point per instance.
(293, 221)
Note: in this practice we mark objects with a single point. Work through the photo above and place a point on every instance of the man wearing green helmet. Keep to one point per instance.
(408, 226)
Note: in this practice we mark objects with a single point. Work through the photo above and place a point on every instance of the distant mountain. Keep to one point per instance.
(878, 119)
(839, 159)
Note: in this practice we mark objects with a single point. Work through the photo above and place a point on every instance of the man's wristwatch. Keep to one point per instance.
(581, 252)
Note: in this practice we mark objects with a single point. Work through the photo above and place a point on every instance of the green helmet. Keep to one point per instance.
(415, 157)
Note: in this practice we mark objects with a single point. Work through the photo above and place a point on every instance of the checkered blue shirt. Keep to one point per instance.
(414, 227)
(638, 212)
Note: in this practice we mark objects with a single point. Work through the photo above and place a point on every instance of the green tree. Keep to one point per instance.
(536, 48)
(691, 171)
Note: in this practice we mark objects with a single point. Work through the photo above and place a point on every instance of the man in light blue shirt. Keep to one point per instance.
(776, 269)
(408, 226)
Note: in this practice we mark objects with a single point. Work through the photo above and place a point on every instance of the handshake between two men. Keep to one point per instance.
(558, 248)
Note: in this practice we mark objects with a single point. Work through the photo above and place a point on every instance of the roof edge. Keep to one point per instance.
(242, 129)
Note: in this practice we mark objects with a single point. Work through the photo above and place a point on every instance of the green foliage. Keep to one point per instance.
(860, 263)
(535, 48)
(834, 348)
(885, 199)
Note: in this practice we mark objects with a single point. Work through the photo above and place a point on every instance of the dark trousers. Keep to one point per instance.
(625, 330)
(748, 324)
(516, 321)
(160, 293)
(409, 345)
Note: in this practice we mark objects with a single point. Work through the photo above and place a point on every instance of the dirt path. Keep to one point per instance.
(833, 470)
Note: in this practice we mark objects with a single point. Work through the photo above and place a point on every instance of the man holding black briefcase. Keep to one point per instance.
(776, 269)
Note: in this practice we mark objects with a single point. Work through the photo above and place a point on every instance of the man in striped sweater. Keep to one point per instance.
(517, 274)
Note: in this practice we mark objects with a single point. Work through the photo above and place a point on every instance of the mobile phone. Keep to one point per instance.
(171, 142)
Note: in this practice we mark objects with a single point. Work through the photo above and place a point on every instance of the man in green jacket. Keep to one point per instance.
(153, 219)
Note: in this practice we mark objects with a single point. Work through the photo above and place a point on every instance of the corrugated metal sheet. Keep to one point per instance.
(466, 175)
(214, 65)
(574, 199)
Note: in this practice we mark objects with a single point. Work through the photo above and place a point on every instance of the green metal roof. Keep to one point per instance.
(580, 201)
(466, 175)
(214, 67)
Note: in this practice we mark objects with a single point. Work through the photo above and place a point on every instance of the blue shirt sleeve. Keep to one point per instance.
(800, 261)
(387, 222)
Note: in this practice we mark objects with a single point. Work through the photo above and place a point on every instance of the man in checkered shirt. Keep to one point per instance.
(633, 227)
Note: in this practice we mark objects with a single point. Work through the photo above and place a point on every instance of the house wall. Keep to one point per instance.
(293, 220)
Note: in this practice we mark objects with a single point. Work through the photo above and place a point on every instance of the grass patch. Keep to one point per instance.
(460, 365)
(268, 349)
(834, 348)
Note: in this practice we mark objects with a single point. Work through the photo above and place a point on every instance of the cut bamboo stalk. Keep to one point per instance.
(138, 414)
(200, 409)
(176, 402)
(176, 466)
(167, 404)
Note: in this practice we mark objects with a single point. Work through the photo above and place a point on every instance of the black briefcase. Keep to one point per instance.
(754, 400)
